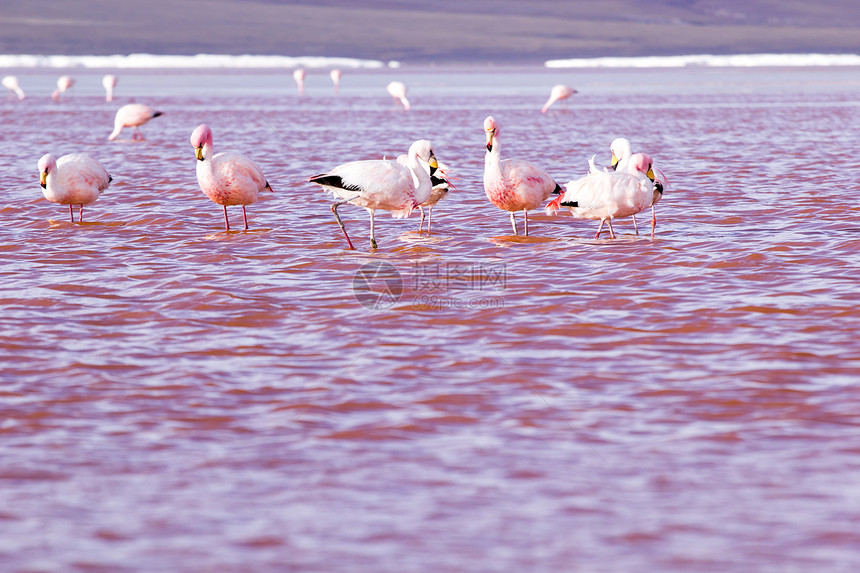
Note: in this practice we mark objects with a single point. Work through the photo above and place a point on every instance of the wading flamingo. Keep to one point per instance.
(439, 189)
(381, 184)
(11, 82)
(75, 179)
(621, 152)
(227, 178)
(109, 83)
(398, 92)
(299, 76)
(607, 195)
(558, 92)
(513, 185)
(335, 78)
(132, 115)
(63, 84)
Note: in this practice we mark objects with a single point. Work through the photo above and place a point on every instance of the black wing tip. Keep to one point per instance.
(333, 181)
(569, 204)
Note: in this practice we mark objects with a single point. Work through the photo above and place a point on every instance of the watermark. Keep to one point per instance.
(379, 285)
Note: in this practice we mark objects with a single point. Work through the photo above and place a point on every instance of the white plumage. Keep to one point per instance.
(132, 115)
(74, 179)
(381, 184)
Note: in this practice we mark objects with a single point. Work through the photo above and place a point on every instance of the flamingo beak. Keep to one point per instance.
(43, 176)
(433, 165)
(614, 162)
(490, 134)
(198, 151)
(650, 174)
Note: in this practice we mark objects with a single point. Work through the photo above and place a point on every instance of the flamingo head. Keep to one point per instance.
(491, 127)
(641, 162)
(423, 150)
(46, 164)
(200, 137)
(620, 149)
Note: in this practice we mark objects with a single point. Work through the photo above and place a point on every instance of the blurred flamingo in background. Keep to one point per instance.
(398, 92)
(75, 179)
(11, 82)
(513, 184)
(132, 115)
(335, 78)
(63, 84)
(109, 83)
(299, 76)
(558, 92)
(227, 178)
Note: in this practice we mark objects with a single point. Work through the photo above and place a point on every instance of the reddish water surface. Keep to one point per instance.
(178, 398)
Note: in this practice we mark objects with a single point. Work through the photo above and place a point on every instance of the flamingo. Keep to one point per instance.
(513, 185)
(440, 187)
(227, 178)
(299, 76)
(109, 83)
(132, 115)
(335, 78)
(621, 152)
(74, 179)
(558, 92)
(607, 195)
(11, 82)
(398, 92)
(63, 84)
(381, 184)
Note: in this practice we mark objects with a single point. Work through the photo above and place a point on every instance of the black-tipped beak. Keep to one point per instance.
(198, 151)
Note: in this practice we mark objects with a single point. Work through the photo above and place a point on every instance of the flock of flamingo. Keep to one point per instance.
(627, 187)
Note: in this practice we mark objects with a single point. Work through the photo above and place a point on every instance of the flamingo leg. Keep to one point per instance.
(653, 221)
(71, 213)
(245, 217)
(81, 215)
(334, 207)
(421, 224)
(526, 224)
(429, 218)
(372, 234)
(611, 232)
(514, 224)
(599, 227)
(226, 220)
(635, 227)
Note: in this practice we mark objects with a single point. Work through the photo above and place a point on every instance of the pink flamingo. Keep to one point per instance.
(75, 179)
(109, 82)
(381, 184)
(440, 185)
(299, 76)
(621, 152)
(558, 92)
(513, 185)
(132, 115)
(335, 78)
(398, 92)
(227, 178)
(607, 195)
(63, 83)
(11, 82)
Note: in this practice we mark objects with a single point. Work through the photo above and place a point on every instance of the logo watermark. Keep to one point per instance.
(379, 285)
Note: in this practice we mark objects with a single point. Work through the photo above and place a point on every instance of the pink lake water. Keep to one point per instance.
(174, 397)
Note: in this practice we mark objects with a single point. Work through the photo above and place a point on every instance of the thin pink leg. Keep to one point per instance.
(334, 207)
(421, 223)
(653, 221)
(245, 217)
(526, 224)
(81, 215)
(635, 226)
(226, 220)
(429, 218)
(611, 232)
(514, 224)
(71, 213)
(599, 227)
